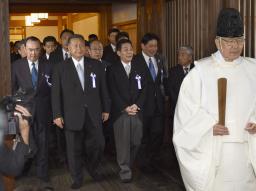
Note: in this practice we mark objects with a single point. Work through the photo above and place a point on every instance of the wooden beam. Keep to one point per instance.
(66, 7)
(28, 13)
(82, 16)
(20, 23)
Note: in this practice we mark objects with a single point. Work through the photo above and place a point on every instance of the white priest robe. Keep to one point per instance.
(202, 157)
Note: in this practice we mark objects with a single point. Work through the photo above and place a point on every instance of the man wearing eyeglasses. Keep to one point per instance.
(212, 156)
(96, 52)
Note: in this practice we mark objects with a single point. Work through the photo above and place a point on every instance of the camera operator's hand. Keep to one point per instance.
(22, 114)
(59, 122)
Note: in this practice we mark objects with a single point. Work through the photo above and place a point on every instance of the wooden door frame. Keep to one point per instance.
(104, 11)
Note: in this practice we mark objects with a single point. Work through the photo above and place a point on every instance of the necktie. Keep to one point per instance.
(66, 55)
(152, 69)
(80, 73)
(127, 69)
(34, 75)
(186, 70)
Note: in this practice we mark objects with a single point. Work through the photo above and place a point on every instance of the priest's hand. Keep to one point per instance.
(59, 122)
(220, 130)
(251, 128)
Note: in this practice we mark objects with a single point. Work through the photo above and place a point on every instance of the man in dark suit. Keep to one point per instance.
(49, 45)
(127, 85)
(177, 74)
(80, 101)
(109, 53)
(60, 54)
(33, 76)
(153, 115)
(96, 52)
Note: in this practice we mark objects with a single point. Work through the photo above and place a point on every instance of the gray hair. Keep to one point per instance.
(189, 49)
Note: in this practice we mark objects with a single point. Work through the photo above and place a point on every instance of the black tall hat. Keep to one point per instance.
(230, 23)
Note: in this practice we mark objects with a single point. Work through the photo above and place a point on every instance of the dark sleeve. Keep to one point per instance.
(56, 92)
(168, 85)
(105, 99)
(14, 80)
(171, 87)
(12, 161)
(113, 91)
(164, 79)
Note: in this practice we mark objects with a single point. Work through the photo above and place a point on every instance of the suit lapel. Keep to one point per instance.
(146, 67)
(27, 74)
(88, 70)
(122, 73)
(73, 73)
(40, 74)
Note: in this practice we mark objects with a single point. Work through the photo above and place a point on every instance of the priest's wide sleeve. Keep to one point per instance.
(193, 133)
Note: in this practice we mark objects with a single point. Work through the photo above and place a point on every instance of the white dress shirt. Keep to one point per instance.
(30, 65)
(113, 47)
(64, 53)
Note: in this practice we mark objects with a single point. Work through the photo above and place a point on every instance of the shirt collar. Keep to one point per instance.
(47, 56)
(113, 47)
(125, 64)
(146, 57)
(64, 52)
(35, 62)
(188, 66)
(76, 62)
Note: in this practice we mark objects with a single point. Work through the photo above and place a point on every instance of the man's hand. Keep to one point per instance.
(59, 122)
(135, 108)
(251, 128)
(130, 111)
(220, 130)
(105, 116)
(23, 123)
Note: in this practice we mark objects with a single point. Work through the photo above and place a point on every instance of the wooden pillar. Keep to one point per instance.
(151, 18)
(105, 22)
(5, 75)
(59, 26)
(69, 21)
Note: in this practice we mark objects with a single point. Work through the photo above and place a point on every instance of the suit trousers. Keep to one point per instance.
(89, 141)
(153, 131)
(128, 135)
(40, 133)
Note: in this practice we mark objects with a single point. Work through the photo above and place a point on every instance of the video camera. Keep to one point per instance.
(8, 104)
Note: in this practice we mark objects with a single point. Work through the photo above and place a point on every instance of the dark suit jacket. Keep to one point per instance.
(155, 95)
(109, 55)
(21, 78)
(176, 76)
(56, 56)
(12, 161)
(70, 101)
(14, 57)
(124, 91)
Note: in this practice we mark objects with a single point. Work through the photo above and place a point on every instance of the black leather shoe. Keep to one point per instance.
(76, 185)
(96, 176)
(126, 180)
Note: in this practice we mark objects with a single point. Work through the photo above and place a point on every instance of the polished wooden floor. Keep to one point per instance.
(165, 178)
